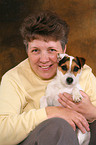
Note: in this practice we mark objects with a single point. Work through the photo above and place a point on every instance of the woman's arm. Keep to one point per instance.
(72, 117)
(85, 107)
(15, 124)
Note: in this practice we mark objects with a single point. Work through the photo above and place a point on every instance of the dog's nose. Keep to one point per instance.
(69, 80)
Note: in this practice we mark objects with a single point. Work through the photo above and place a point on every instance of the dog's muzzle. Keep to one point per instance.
(69, 80)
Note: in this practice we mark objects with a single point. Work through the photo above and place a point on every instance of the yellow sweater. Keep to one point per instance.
(20, 93)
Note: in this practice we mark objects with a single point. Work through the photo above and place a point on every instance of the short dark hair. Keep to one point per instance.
(47, 25)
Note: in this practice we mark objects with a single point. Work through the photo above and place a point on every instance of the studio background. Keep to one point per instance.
(80, 15)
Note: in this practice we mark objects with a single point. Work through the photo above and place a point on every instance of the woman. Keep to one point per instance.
(45, 35)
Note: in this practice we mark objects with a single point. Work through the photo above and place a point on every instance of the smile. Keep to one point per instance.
(45, 67)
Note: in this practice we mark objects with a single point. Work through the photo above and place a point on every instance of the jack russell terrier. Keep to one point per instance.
(67, 80)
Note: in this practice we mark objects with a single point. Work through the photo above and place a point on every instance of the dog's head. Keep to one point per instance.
(69, 69)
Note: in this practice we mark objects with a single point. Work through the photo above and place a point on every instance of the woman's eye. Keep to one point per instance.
(52, 50)
(35, 50)
(75, 69)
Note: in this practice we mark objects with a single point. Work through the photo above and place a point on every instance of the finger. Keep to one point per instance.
(72, 124)
(66, 101)
(85, 96)
(82, 127)
(85, 124)
(65, 97)
(63, 100)
(83, 93)
(68, 96)
(63, 103)
(82, 124)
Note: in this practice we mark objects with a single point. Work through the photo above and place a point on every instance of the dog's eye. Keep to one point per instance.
(64, 67)
(75, 69)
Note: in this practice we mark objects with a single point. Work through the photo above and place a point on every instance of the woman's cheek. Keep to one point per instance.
(54, 57)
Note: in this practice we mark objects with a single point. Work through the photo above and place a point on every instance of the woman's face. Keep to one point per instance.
(43, 57)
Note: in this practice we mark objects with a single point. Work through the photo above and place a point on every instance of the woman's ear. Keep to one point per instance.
(64, 49)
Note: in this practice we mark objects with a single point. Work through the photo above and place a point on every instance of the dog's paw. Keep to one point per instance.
(77, 97)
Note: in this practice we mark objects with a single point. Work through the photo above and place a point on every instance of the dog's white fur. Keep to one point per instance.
(59, 85)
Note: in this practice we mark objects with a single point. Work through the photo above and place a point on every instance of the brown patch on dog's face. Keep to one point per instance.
(77, 63)
(64, 65)
(80, 61)
(75, 68)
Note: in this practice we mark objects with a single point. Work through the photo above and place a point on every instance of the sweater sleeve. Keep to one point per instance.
(88, 83)
(15, 125)
(91, 88)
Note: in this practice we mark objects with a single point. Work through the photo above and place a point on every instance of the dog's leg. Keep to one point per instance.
(53, 100)
(76, 95)
(83, 139)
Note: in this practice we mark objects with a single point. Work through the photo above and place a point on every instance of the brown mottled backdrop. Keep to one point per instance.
(80, 15)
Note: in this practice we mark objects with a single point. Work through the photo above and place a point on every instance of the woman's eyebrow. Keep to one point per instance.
(33, 47)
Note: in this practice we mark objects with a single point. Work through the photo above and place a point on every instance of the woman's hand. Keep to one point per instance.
(72, 117)
(85, 107)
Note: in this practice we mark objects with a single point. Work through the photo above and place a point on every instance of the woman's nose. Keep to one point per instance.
(44, 57)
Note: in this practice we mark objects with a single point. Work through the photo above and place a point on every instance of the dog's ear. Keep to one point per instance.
(63, 60)
(58, 57)
(81, 61)
(61, 56)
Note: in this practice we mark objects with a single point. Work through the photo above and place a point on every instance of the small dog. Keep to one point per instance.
(67, 80)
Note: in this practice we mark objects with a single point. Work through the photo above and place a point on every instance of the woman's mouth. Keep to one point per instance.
(45, 67)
